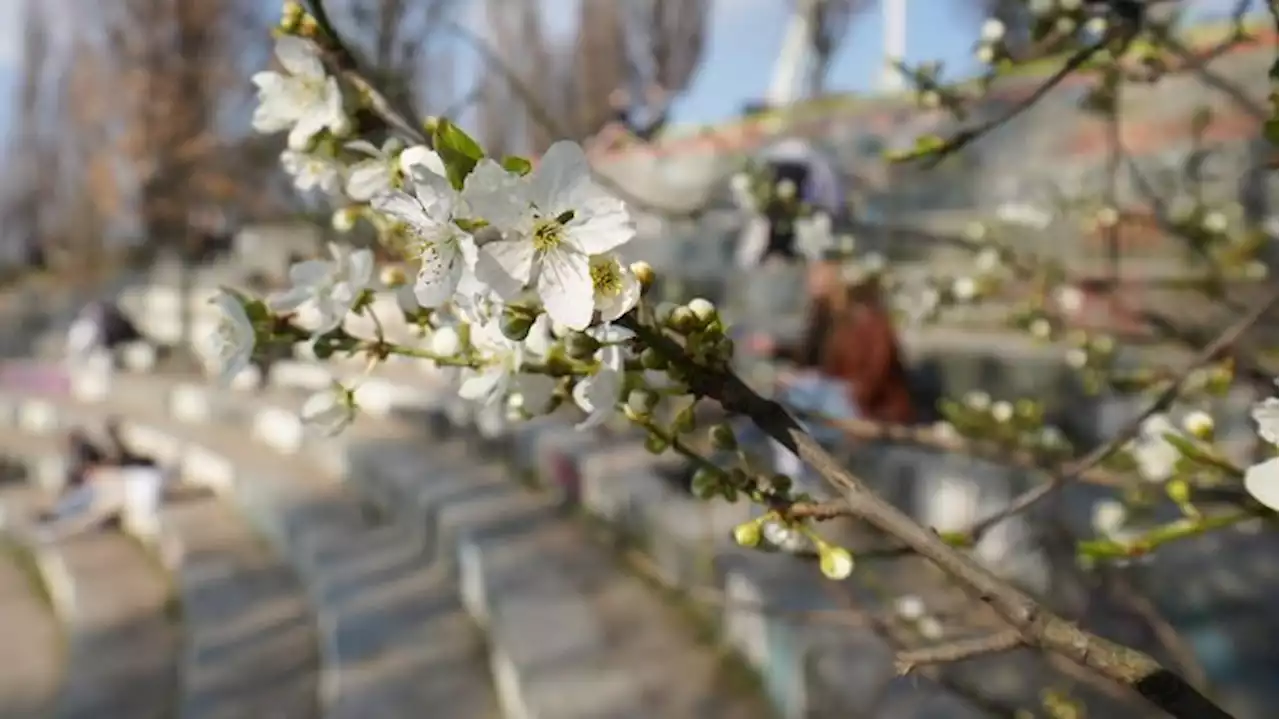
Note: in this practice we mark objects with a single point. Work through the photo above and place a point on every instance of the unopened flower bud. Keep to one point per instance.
(641, 402)
(1199, 425)
(682, 320)
(644, 274)
(445, 342)
(1002, 411)
(515, 325)
(393, 276)
(580, 345)
(703, 310)
(836, 562)
(747, 534)
(722, 437)
(652, 359)
(909, 607)
(344, 219)
(705, 483)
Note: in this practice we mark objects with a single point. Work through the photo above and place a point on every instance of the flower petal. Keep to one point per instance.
(1262, 480)
(501, 263)
(421, 156)
(404, 207)
(564, 286)
(555, 183)
(367, 179)
(442, 267)
(299, 56)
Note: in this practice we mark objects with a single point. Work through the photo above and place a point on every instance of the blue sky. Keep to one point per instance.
(744, 42)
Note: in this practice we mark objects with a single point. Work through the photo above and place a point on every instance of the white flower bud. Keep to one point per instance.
(1107, 217)
(978, 400)
(344, 220)
(702, 309)
(1198, 424)
(930, 628)
(992, 30)
(985, 54)
(1108, 517)
(1040, 328)
(964, 289)
(975, 231)
(988, 259)
(1069, 299)
(445, 341)
(1077, 358)
(1214, 222)
(1002, 411)
(786, 189)
(909, 607)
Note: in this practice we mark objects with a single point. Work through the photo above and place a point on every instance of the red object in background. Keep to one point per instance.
(35, 377)
(564, 474)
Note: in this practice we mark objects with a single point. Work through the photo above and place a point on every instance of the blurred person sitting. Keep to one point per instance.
(846, 365)
(142, 478)
(100, 325)
(81, 493)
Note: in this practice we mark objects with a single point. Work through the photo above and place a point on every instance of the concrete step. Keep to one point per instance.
(558, 610)
(380, 634)
(250, 642)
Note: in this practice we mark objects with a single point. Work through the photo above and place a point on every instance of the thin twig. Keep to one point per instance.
(958, 650)
(1075, 469)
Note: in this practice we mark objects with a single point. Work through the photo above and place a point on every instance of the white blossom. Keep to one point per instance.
(597, 394)
(313, 172)
(1002, 411)
(329, 288)
(330, 410)
(1267, 416)
(500, 359)
(1262, 480)
(445, 341)
(1156, 457)
(964, 289)
(813, 235)
(1069, 299)
(229, 348)
(378, 173)
(1109, 518)
(552, 222)
(303, 100)
(978, 400)
(615, 287)
(446, 251)
(909, 607)
(988, 259)
(992, 30)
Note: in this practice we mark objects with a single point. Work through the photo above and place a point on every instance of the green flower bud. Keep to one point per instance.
(747, 534)
(706, 483)
(835, 562)
(722, 437)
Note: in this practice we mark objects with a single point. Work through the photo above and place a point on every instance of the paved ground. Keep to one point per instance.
(32, 669)
(250, 643)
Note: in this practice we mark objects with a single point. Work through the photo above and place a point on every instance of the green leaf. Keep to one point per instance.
(518, 165)
(1201, 455)
(459, 152)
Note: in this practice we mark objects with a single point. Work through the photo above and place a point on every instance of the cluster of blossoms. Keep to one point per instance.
(519, 293)
(519, 289)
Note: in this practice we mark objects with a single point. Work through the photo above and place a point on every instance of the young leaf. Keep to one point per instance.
(459, 152)
(518, 165)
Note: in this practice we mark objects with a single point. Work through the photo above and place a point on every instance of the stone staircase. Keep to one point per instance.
(414, 565)
(285, 589)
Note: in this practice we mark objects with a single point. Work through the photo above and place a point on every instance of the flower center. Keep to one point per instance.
(606, 279)
(547, 235)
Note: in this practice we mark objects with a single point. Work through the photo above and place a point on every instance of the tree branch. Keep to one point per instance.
(1034, 623)
(1009, 639)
